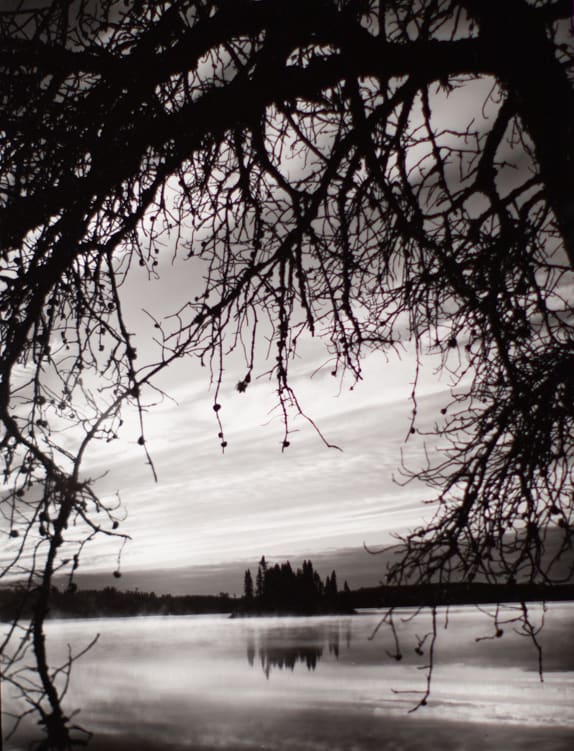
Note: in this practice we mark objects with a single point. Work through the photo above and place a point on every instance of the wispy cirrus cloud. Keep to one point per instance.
(210, 508)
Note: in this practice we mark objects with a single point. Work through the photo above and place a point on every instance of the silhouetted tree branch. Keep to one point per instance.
(368, 172)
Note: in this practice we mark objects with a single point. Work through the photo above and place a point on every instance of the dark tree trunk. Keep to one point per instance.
(516, 35)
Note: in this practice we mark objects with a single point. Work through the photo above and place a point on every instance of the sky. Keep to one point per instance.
(210, 509)
(211, 514)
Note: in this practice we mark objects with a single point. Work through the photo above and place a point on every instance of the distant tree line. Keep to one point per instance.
(457, 593)
(279, 589)
(110, 602)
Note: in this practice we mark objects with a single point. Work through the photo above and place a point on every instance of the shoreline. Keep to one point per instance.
(99, 604)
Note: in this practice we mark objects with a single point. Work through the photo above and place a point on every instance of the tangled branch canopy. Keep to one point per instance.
(366, 171)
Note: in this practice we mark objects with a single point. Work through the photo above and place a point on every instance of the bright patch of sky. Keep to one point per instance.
(210, 507)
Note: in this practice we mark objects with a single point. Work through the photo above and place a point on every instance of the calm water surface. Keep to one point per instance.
(318, 684)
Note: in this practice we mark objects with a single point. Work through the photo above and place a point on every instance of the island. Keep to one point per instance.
(279, 590)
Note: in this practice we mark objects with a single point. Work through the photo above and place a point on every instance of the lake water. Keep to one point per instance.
(318, 684)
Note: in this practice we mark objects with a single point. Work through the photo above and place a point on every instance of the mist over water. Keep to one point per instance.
(209, 682)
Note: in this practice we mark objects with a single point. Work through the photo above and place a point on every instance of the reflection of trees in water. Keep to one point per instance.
(288, 657)
(277, 650)
(337, 633)
(250, 650)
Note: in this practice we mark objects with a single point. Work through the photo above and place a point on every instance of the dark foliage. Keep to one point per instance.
(110, 602)
(281, 590)
(433, 595)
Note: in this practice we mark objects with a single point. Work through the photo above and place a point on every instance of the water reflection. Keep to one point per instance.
(177, 683)
(272, 650)
(287, 657)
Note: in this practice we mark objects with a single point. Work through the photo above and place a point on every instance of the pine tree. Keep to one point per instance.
(334, 586)
(261, 579)
(248, 586)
